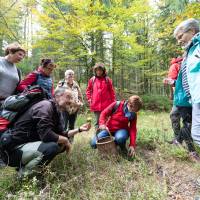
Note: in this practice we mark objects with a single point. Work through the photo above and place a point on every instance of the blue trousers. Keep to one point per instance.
(120, 136)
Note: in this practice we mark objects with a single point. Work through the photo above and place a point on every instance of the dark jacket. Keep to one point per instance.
(41, 122)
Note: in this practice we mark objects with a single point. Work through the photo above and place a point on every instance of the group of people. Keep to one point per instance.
(47, 127)
(184, 79)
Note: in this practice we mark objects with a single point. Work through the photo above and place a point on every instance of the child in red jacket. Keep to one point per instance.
(100, 91)
(121, 122)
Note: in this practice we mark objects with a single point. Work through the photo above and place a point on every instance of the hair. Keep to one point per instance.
(61, 91)
(99, 66)
(185, 26)
(13, 48)
(136, 101)
(69, 71)
(46, 61)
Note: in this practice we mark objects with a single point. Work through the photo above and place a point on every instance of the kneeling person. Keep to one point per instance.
(120, 119)
(38, 135)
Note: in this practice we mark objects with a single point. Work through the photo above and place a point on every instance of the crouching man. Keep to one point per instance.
(120, 119)
(38, 135)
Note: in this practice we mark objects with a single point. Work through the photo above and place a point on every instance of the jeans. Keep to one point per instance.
(120, 136)
(196, 123)
(69, 120)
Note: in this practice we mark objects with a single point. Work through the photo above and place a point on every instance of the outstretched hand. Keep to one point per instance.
(85, 127)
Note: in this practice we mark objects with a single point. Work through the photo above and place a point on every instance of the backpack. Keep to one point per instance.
(116, 106)
(13, 107)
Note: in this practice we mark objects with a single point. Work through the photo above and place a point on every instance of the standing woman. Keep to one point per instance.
(9, 74)
(70, 115)
(41, 77)
(100, 91)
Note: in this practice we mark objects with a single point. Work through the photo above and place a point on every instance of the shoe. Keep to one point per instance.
(174, 142)
(124, 151)
(2, 163)
(194, 156)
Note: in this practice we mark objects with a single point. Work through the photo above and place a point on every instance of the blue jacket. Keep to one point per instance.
(180, 97)
(193, 68)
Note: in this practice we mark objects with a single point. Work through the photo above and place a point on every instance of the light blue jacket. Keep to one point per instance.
(180, 97)
(193, 68)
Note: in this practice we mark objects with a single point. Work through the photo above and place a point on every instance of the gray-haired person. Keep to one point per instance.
(38, 135)
(70, 115)
(188, 36)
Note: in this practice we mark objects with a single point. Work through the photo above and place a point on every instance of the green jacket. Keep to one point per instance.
(180, 97)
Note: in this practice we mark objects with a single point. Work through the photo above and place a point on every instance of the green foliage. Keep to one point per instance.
(156, 103)
(85, 175)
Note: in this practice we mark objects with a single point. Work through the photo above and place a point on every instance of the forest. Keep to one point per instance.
(134, 38)
(135, 41)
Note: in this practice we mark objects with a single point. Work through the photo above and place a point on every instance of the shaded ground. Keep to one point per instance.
(159, 171)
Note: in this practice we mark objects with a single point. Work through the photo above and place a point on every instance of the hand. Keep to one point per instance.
(85, 127)
(103, 127)
(168, 81)
(89, 101)
(131, 151)
(80, 104)
(64, 140)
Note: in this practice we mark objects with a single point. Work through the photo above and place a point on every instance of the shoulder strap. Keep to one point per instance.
(62, 82)
(93, 79)
(108, 82)
(19, 74)
(116, 106)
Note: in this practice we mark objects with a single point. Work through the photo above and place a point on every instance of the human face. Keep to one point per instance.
(99, 72)
(64, 100)
(48, 69)
(16, 57)
(184, 38)
(132, 107)
(70, 77)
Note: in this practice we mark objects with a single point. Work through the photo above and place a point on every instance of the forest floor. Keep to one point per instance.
(160, 171)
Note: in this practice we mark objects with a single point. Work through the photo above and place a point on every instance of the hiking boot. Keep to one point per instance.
(194, 156)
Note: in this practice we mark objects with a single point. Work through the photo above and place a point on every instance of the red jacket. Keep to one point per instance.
(30, 79)
(100, 93)
(174, 68)
(117, 120)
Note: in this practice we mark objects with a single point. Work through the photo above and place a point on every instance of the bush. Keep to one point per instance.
(156, 103)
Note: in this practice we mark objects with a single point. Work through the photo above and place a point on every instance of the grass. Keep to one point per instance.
(154, 174)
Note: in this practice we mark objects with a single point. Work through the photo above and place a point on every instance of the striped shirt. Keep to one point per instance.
(185, 79)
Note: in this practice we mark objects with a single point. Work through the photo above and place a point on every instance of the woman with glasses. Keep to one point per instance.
(41, 77)
(70, 115)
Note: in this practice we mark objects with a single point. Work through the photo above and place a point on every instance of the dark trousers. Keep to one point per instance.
(185, 130)
(33, 154)
(175, 120)
(97, 115)
(69, 120)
